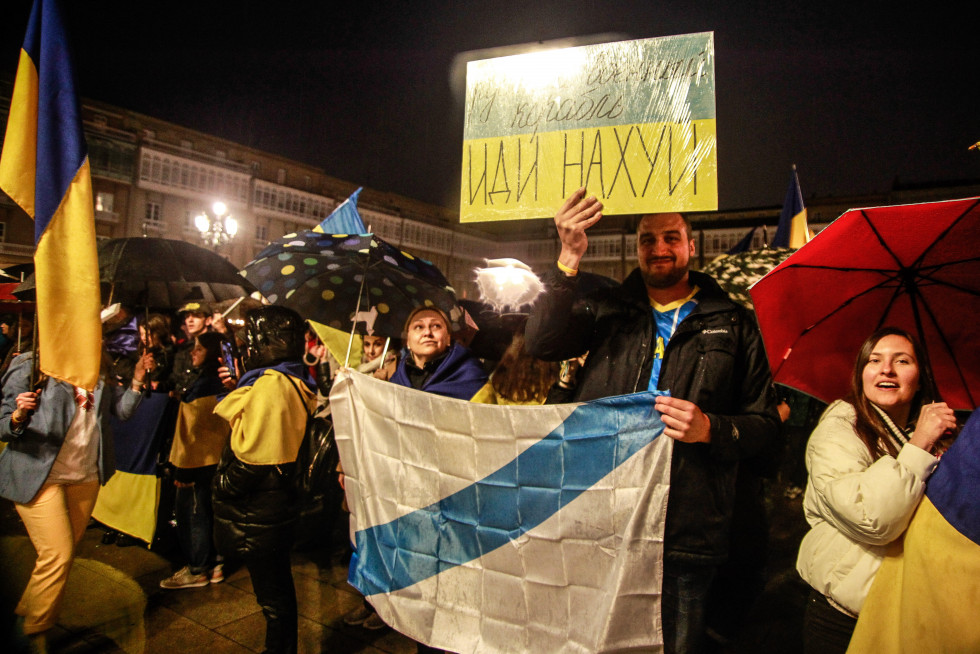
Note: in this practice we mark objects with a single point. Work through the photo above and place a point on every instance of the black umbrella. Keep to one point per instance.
(161, 273)
(336, 278)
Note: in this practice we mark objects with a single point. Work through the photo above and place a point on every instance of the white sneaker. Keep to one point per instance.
(184, 579)
(218, 573)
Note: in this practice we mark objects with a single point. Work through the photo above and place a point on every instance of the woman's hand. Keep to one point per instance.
(934, 421)
(26, 402)
(228, 380)
(145, 364)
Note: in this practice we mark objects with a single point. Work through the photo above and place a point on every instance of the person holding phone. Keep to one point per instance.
(198, 442)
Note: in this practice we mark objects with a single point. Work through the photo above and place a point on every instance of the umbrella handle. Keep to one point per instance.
(232, 307)
(357, 310)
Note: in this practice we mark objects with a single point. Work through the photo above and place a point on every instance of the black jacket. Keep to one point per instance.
(714, 359)
(255, 506)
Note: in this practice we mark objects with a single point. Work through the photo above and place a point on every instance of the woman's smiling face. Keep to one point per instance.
(891, 375)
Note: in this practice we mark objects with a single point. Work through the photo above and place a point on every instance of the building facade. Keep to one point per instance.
(151, 178)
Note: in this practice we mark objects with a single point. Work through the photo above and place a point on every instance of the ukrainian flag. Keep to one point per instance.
(792, 231)
(44, 168)
(926, 593)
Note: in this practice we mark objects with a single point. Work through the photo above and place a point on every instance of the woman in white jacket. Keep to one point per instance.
(868, 461)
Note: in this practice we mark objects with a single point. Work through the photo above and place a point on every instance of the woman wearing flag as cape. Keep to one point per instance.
(254, 493)
(868, 461)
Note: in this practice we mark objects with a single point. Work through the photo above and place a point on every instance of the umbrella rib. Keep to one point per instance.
(842, 306)
(811, 266)
(942, 338)
(945, 232)
(881, 240)
(957, 287)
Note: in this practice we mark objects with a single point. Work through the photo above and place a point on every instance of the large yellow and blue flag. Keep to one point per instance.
(44, 168)
(926, 593)
(792, 231)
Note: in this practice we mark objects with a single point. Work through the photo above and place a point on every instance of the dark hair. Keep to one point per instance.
(158, 325)
(869, 425)
(519, 377)
(211, 342)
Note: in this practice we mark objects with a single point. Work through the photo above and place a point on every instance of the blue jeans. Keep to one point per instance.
(194, 519)
(685, 594)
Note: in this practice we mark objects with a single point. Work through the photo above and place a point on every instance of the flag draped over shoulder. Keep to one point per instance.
(925, 595)
(44, 168)
(792, 231)
(483, 528)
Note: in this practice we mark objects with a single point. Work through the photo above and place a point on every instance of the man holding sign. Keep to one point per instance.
(667, 328)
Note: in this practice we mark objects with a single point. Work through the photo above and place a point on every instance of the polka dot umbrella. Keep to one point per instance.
(336, 278)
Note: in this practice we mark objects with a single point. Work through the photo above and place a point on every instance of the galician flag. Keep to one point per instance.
(484, 528)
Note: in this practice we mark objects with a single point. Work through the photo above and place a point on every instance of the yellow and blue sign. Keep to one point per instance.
(633, 122)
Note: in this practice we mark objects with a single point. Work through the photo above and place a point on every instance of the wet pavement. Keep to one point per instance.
(114, 602)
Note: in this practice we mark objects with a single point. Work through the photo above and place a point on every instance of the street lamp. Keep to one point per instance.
(217, 227)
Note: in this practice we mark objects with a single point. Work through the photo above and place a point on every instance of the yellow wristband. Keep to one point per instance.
(571, 272)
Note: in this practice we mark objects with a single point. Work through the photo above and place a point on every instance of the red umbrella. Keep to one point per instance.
(914, 266)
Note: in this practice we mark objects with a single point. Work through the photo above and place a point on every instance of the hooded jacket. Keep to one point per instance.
(715, 359)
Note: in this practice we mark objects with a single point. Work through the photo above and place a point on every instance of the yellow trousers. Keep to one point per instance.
(55, 519)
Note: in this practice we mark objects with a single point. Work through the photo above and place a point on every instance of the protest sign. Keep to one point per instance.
(633, 122)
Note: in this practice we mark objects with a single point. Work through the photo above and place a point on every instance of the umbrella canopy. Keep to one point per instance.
(163, 273)
(916, 267)
(322, 276)
(735, 273)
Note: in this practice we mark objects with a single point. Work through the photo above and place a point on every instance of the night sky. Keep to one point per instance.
(855, 96)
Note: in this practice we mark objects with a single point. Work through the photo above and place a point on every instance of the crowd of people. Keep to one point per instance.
(232, 452)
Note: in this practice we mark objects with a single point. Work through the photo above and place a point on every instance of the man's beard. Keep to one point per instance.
(665, 279)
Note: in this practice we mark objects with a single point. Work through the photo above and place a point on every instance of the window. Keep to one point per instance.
(281, 176)
(256, 167)
(103, 201)
(154, 213)
(3, 231)
(262, 232)
(186, 145)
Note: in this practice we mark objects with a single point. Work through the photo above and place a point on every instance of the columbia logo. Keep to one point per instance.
(714, 331)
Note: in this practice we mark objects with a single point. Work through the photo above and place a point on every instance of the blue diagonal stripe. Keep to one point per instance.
(595, 439)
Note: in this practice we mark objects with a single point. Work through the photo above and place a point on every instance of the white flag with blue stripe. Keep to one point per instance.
(483, 528)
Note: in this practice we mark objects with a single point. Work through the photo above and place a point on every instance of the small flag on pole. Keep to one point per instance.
(792, 231)
(345, 219)
(44, 168)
